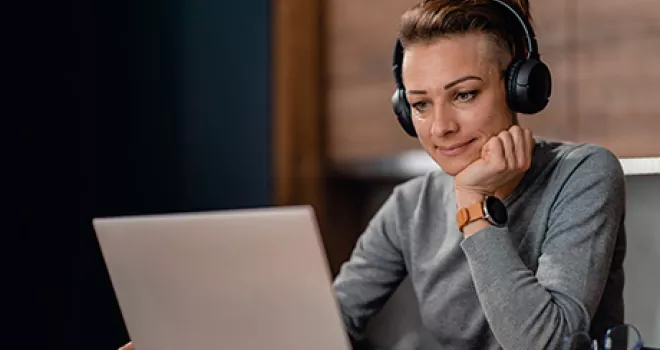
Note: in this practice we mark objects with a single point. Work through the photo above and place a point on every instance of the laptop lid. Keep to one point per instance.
(238, 279)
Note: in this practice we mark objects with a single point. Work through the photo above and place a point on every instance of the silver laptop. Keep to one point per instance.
(239, 279)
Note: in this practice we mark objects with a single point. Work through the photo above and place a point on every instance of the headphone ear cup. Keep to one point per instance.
(512, 97)
(528, 86)
(403, 113)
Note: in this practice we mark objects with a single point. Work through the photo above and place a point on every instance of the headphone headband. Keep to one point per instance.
(532, 47)
(396, 67)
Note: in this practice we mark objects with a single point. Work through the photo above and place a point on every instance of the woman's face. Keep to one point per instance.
(456, 92)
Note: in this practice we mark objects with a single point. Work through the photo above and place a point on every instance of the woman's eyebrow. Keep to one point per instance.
(447, 86)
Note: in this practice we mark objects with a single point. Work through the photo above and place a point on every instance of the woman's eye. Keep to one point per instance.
(466, 96)
(421, 106)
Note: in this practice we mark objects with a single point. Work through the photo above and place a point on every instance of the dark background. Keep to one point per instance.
(175, 117)
(118, 108)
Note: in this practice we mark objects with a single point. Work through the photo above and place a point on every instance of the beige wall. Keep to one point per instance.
(642, 264)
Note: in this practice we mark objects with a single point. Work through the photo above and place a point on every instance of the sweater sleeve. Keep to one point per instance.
(373, 272)
(529, 310)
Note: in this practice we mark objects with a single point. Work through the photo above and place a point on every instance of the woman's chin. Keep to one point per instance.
(450, 171)
(453, 167)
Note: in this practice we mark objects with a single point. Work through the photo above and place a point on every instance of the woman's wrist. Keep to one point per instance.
(465, 198)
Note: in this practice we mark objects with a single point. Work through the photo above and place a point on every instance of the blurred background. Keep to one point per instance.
(201, 105)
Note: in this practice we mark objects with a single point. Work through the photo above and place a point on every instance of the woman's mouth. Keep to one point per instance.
(454, 149)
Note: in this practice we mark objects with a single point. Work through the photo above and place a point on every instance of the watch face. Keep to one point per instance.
(496, 211)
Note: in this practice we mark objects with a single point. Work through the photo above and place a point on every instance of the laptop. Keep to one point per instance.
(238, 279)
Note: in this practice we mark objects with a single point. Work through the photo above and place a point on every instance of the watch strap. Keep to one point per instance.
(470, 214)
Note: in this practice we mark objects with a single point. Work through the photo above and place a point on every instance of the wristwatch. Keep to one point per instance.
(492, 209)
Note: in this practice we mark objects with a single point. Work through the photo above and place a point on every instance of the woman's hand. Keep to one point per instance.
(128, 346)
(504, 158)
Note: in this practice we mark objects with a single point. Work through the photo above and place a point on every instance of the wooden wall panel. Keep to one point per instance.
(359, 42)
(618, 75)
(551, 24)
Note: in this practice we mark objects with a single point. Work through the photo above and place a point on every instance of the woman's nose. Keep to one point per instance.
(444, 122)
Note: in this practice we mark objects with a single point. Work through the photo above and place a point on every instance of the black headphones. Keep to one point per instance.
(528, 81)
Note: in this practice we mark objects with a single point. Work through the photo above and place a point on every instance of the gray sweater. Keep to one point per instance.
(556, 268)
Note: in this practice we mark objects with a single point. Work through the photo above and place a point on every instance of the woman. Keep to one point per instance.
(547, 262)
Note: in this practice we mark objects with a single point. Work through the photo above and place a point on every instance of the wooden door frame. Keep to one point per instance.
(300, 160)
(298, 154)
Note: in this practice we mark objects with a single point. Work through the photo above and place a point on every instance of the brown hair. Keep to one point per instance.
(433, 19)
